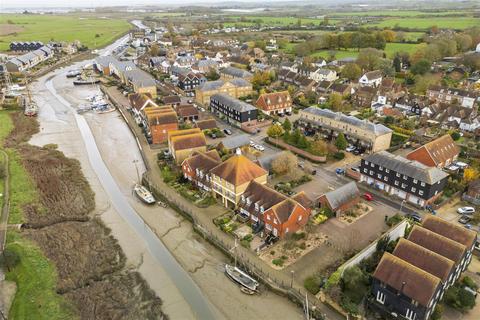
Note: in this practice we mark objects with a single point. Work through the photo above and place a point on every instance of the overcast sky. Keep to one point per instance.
(95, 3)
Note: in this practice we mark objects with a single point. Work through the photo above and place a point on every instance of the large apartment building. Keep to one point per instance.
(409, 180)
(374, 137)
(236, 112)
(236, 88)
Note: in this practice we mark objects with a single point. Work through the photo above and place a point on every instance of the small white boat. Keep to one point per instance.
(15, 87)
(73, 73)
(241, 277)
(144, 195)
(31, 109)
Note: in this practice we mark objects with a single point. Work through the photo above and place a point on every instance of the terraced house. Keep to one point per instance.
(272, 211)
(374, 137)
(188, 82)
(408, 283)
(275, 103)
(196, 168)
(183, 143)
(464, 98)
(236, 88)
(231, 178)
(439, 153)
(409, 180)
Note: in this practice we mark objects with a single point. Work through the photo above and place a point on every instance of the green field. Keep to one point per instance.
(94, 32)
(395, 13)
(270, 21)
(419, 23)
(35, 276)
(339, 54)
(392, 48)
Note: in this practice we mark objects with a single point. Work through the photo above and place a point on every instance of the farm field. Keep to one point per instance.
(339, 54)
(270, 21)
(94, 32)
(422, 23)
(396, 13)
(392, 48)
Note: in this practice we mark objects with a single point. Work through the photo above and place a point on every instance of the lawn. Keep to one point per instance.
(420, 23)
(339, 54)
(270, 21)
(94, 32)
(35, 276)
(392, 48)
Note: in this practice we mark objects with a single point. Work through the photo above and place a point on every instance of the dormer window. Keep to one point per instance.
(248, 201)
(256, 206)
(262, 209)
(242, 198)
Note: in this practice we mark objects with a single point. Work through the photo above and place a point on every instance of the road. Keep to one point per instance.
(6, 199)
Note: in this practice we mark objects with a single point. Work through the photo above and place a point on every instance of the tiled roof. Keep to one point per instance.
(161, 118)
(450, 230)
(342, 195)
(236, 72)
(138, 100)
(411, 281)
(274, 98)
(188, 141)
(238, 170)
(187, 111)
(424, 259)
(206, 124)
(440, 149)
(171, 99)
(437, 243)
(410, 168)
(372, 75)
(204, 161)
(302, 198)
(262, 194)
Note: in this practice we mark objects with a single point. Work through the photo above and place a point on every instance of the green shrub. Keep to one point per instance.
(299, 236)
(393, 220)
(278, 262)
(334, 279)
(467, 281)
(312, 284)
(339, 155)
(349, 306)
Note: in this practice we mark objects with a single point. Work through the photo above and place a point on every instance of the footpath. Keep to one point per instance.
(202, 219)
(7, 288)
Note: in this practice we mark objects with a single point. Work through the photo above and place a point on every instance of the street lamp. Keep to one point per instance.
(291, 282)
(136, 169)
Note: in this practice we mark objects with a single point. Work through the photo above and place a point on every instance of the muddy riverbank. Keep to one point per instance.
(118, 151)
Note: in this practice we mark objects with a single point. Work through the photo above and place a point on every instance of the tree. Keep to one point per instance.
(296, 136)
(421, 67)
(154, 50)
(369, 58)
(275, 131)
(397, 63)
(470, 174)
(437, 313)
(354, 284)
(341, 143)
(335, 101)
(319, 148)
(455, 135)
(212, 75)
(287, 163)
(389, 35)
(351, 71)
(386, 66)
(287, 125)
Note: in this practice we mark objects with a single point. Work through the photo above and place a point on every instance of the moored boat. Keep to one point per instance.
(143, 194)
(73, 73)
(241, 277)
(85, 81)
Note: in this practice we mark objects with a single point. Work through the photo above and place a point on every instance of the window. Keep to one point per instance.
(386, 170)
(422, 184)
(268, 218)
(372, 165)
(405, 177)
(365, 170)
(404, 185)
(396, 182)
(300, 218)
(414, 189)
(415, 181)
(371, 172)
(410, 314)
(379, 176)
(385, 178)
(380, 168)
(398, 175)
(380, 297)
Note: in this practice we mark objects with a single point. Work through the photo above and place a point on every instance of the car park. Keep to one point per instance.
(466, 210)
(367, 196)
(464, 219)
(339, 171)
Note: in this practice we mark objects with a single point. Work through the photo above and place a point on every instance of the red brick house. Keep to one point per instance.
(275, 102)
(187, 112)
(277, 213)
(196, 168)
(342, 199)
(159, 122)
(439, 153)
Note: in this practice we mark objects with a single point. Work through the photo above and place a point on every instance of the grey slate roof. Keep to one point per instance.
(140, 78)
(378, 129)
(239, 82)
(230, 101)
(211, 85)
(236, 141)
(236, 72)
(105, 61)
(410, 168)
(342, 195)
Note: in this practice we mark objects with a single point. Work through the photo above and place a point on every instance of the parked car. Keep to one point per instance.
(259, 147)
(339, 171)
(464, 219)
(252, 144)
(350, 148)
(461, 165)
(468, 226)
(415, 217)
(227, 131)
(367, 196)
(466, 210)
